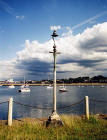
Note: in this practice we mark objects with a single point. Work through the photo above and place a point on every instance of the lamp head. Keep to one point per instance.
(54, 34)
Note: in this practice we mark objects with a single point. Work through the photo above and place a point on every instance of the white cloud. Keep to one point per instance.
(35, 50)
(69, 31)
(20, 17)
(55, 27)
(90, 20)
(68, 28)
(81, 54)
(80, 47)
(6, 7)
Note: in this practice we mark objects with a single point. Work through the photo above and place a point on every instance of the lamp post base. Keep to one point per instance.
(54, 120)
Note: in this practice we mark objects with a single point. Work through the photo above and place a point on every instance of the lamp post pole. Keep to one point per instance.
(54, 81)
(54, 116)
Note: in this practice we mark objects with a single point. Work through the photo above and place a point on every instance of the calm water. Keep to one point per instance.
(42, 97)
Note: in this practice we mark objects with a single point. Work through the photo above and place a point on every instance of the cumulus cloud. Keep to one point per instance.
(8, 70)
(35, 50)
(81, 55)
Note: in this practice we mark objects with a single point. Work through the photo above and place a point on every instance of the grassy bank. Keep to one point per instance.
(75, 128)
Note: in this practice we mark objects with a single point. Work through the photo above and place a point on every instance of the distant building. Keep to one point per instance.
(10, 80)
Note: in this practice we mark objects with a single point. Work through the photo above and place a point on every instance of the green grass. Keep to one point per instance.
(74, 128)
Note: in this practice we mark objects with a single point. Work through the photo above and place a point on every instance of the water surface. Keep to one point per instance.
(41, 97)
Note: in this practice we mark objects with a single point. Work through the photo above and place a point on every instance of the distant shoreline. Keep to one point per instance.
(60, 84)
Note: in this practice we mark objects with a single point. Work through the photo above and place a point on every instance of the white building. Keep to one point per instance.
(10, 80)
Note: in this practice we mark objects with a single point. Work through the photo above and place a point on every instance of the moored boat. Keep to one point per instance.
(63, 89)
(24, 88)
(102, 86)
(49, 86)
(11, 86)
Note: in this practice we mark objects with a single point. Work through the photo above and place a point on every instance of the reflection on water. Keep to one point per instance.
(23, 112)
(40, 96)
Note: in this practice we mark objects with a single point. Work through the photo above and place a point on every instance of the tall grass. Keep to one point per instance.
(74, 128)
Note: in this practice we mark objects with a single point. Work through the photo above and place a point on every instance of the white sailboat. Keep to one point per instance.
(102, 86)
(49, 86)
(11, 86)
(24, 88)
(11, 81)
(63, 89)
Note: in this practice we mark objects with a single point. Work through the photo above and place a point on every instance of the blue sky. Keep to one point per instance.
(22, 20)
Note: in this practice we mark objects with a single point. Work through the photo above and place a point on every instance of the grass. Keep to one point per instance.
(75, 128)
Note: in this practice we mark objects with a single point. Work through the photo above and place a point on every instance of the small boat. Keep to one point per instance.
(102, 86)
(63, 89)
(24, 88)
(49, 86)
(11, 86)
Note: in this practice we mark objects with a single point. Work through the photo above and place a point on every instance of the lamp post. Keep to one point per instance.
(54, 118)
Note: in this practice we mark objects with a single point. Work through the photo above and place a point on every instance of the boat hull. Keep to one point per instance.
(61, 90)
(24, 89)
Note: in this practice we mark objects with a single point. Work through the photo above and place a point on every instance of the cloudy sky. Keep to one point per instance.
(25, 38)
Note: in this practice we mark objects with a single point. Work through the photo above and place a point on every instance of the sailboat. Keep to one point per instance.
(63, 89)
(102, 86)
(11, 85)
(24, 88)
(50, 85)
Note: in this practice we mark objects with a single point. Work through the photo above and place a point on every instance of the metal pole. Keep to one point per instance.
(54, 83)
(54, 117)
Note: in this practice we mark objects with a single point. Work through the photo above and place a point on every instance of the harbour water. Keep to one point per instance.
(41, 97)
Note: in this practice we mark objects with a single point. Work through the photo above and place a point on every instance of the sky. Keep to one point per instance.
(25, 38)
